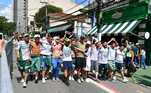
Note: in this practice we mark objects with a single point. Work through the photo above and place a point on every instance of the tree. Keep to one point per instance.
(41, 14)
(5, 26)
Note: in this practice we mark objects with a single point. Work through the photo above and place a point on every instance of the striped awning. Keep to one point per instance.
(123, 27)
(94, 29)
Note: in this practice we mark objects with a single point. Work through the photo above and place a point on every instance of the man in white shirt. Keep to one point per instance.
(103, 60)
(111, 57)
(120, 62)
(93, 56)
(45, 56)
(24, 58)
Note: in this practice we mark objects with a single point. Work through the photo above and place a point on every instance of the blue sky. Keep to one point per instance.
(5, 2)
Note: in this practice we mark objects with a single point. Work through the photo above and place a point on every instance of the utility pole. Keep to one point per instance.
(46, 13)
(98, 18)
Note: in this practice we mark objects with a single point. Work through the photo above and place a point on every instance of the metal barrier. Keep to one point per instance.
(6, 62)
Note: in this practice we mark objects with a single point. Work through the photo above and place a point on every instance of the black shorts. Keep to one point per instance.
(80, 62)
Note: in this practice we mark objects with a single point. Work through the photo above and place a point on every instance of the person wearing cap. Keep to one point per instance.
(24, 58)
(35, 56)
(88, 59)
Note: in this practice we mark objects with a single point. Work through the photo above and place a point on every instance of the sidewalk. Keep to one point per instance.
(143, 76)
(120, 87)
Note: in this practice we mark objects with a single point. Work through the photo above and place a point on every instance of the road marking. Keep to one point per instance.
(102, 86)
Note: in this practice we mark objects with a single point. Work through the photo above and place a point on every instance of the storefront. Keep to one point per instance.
(131, 20)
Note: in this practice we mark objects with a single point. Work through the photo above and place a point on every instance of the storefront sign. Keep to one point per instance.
(147, 35)
(117, 15)
(149, 7)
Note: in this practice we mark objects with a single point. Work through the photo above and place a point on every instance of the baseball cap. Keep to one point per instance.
(37, 35)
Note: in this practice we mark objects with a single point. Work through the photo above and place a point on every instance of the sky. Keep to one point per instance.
(7, 10)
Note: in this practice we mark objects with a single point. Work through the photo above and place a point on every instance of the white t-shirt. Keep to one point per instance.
(45, 48)
(111, 54)
(94, 53)
(119, 56)
(103, 56)
(143, 53)
(24, 51)
(67, 54)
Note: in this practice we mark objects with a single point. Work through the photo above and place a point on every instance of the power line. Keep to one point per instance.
(69, 15)
(76, 5)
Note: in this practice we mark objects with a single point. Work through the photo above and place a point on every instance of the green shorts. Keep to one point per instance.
(112, 65)
(35, 66)
(24, 65)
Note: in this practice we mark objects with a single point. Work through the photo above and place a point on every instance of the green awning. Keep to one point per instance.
(94, 29)
(59, 28)
(116, 28)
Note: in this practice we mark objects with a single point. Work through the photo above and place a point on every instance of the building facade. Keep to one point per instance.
(20, 15)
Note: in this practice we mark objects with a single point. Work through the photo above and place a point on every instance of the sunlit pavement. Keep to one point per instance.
(94, 86)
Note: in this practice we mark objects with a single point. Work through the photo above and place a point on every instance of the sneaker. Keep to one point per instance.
(87, 80)
(114, 77)
(43, 80)
(82, 80)
(79, 81)
(93, 71)
(57, 78)
(125, 79)
(70, 78)
(53, 79)
(24, 85)
(22, 81)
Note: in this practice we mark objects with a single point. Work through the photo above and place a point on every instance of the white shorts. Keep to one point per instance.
(88, 64)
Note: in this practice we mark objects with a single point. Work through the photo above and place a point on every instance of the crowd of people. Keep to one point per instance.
(40, 56)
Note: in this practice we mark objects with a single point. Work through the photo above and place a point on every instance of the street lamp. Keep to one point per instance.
(46, 11)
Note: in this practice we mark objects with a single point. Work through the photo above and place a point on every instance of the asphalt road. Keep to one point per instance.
(54, 87)
(92, 87)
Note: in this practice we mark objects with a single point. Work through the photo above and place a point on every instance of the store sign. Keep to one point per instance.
(149, 7)
(117, 15)
(147, 35)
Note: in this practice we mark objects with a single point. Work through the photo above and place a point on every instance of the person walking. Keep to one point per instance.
(56, 62)
(24, 58)
(94, 56)
(45, 56)
(119, 63)
(67, 61)
(35, 56)
(80, 60)
(103, 60)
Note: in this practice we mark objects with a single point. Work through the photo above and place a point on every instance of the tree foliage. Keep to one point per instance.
(41, 14)
(5, 26)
